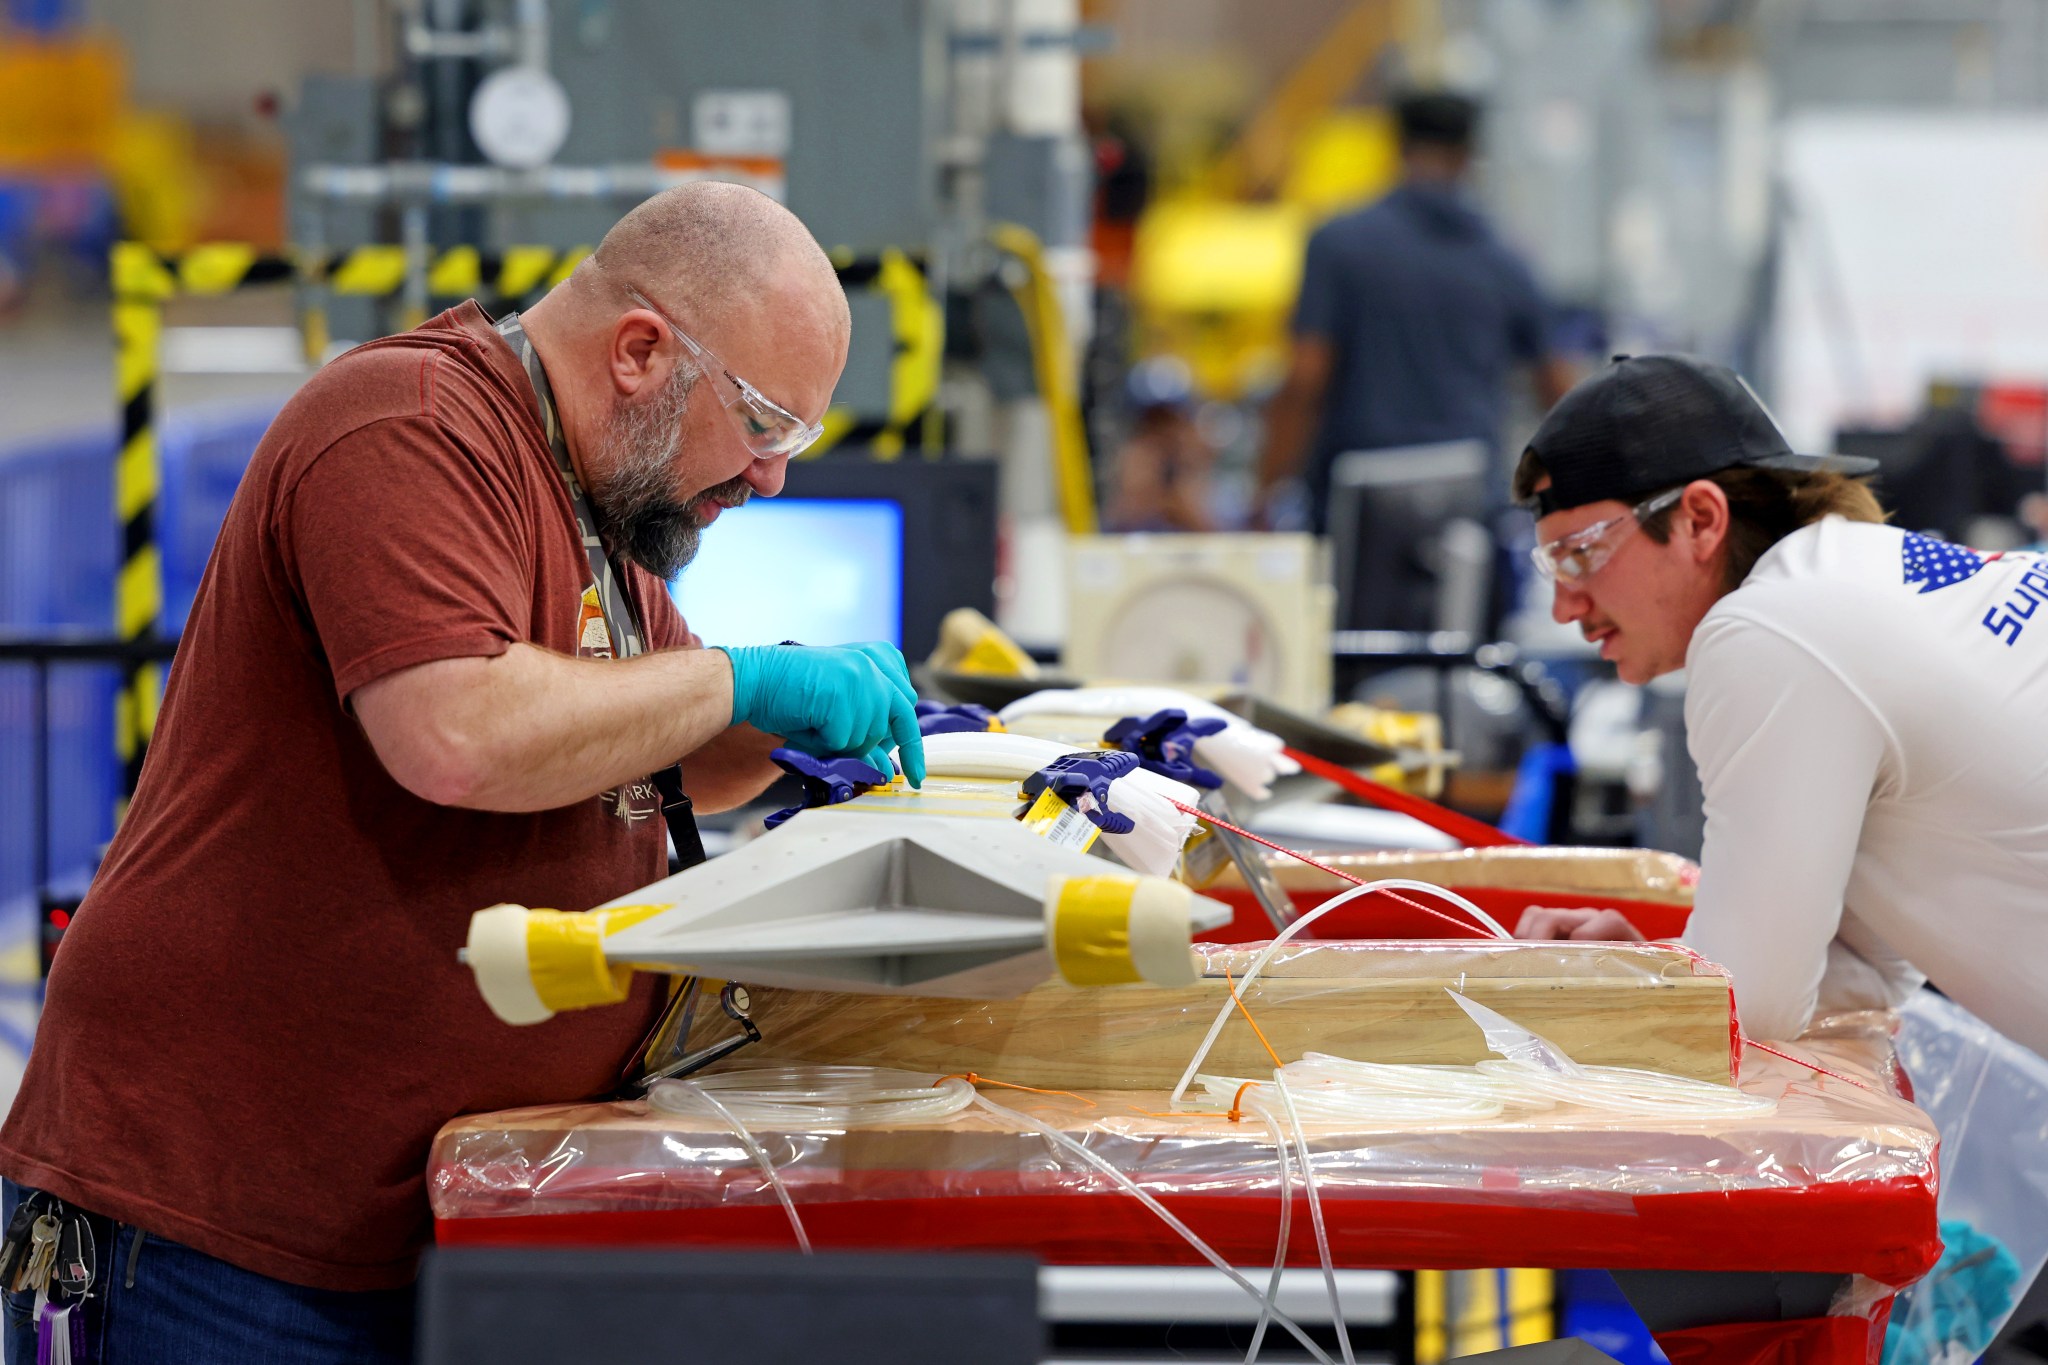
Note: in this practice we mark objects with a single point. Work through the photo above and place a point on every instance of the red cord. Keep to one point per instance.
(1810, 1066)
(1427, 910)
(1467, 831)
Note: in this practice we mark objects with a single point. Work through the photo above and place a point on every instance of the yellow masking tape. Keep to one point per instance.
(565, 955)
(1091, 937)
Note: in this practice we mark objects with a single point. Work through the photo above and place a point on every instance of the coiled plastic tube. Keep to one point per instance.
(1259, 962)
(1626, 1090)
(1339, 1103)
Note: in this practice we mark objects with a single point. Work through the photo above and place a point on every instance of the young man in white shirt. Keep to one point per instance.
(1868, 707)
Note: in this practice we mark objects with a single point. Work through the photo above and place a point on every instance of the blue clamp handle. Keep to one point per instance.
(1165, 744)
(937, 718)
(1082, 781)
(827, 781)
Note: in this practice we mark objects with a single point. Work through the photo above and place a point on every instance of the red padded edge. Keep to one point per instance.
(1883, 1229)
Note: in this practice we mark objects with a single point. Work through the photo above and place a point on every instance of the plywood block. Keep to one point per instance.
(1633, 873)
(1643, 1005)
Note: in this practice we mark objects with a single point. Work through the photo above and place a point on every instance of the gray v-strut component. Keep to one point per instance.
(882, 904)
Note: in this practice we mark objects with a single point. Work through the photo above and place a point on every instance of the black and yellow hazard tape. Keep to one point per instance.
(917, 330)
(145, 280)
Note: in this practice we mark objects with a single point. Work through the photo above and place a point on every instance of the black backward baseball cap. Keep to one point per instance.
(1651, 422)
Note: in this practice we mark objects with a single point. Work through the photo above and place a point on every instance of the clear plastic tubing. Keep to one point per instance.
(807, 1097)
(1259, 962)
(1187, 1234)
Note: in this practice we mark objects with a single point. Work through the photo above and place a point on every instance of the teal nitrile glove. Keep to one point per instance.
(833, 701)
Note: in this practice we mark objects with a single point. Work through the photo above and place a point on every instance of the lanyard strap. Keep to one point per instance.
(621, 623)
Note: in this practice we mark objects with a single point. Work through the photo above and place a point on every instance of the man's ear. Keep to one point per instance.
(1703, 510)
(634, 354)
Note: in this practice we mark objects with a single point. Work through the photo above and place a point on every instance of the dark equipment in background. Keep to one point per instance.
(1942, 473)
(1409, 546)
(949, 529)
(525, 1307)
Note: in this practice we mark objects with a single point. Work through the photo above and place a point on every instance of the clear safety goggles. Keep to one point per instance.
(1577, 557)
(768, 428)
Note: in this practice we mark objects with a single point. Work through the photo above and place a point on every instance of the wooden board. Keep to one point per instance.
(1633, 873)
(1609, 1004)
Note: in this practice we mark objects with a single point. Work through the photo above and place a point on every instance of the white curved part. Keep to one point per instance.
(496, 954)
(1114, 701)
(993, 754)
(1246, 757)
(1160, 930)
(1159, 828)
(1241, 753)
(1162, 829)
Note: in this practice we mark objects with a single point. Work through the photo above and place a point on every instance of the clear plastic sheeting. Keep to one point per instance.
(1989, 1096)
(1635, 873)
(1840, 1177)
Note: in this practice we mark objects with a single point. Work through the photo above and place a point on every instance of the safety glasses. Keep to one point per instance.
(768, 428)
(1577, 557)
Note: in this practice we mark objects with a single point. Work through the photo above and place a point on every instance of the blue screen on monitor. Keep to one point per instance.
(821, 571)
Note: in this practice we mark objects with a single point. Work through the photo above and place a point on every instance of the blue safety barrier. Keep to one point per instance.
(58, 548)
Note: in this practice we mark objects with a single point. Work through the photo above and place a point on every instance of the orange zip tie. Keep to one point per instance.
(973, 1079)
(1239, 1001)
(1236, 1114)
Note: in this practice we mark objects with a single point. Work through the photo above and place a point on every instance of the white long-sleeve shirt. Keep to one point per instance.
(1869, 714)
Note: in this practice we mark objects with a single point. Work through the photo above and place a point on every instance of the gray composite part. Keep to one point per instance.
(904, 904)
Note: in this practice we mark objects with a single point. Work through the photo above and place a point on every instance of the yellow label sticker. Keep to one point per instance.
(1053, 819)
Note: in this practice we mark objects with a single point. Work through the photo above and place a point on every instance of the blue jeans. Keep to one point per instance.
(165, 1304)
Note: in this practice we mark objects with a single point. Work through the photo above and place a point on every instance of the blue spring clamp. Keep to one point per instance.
(1082, 781)
(937, 718)
(827, 781)
(1165, 744)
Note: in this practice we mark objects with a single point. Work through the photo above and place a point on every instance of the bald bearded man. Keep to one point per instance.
(433, 665)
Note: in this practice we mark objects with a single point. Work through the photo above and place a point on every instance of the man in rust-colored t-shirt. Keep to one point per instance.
(377, 724)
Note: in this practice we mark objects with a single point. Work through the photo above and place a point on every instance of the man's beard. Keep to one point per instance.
(639, 515)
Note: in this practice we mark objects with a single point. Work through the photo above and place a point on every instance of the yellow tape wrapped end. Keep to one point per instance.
(1115, 931)
(529, 964)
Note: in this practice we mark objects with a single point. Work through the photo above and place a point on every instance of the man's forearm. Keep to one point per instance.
(530, 729)
(729, 769)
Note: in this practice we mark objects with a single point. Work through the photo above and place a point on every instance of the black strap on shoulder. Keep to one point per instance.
(680, 815)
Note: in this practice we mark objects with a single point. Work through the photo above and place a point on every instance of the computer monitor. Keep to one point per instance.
(852, 549)
(1409, 547)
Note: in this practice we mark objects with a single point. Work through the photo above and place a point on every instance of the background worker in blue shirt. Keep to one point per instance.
(1411, 319)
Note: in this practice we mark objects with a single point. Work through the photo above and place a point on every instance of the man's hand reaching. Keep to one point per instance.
(836, 701)
(1609, 926)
